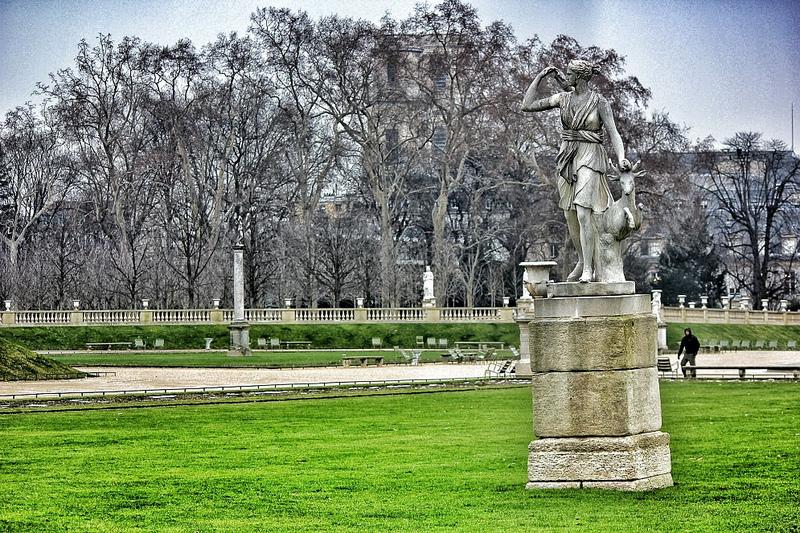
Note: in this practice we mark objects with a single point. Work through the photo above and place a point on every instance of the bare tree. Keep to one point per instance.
(754, 188)
(37, 174)
(100, 107)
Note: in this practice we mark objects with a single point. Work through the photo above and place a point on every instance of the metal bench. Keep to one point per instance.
(363, 360)
(108, 345)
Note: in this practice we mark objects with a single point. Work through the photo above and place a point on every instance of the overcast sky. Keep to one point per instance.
(716, 66)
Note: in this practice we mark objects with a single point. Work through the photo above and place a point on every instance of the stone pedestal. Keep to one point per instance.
(523, 317)
(240, 339)
(597, 407)
(239, 328)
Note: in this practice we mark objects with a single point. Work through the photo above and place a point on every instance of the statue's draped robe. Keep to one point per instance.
(582, 146)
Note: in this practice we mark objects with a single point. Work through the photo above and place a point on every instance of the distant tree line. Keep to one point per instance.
(344, 155)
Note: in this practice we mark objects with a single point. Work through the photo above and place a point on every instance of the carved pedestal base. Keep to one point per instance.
(240, 339)
(597, 407)
(635, 462)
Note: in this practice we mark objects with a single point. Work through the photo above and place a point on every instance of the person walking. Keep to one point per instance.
(689, 347)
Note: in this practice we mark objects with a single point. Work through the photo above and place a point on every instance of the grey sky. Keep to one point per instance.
(717, 66)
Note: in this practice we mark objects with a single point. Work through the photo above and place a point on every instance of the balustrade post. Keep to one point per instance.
(432, 314)
(506, 314)
(9, 318)
(146, 316)
(76, 315)
(360, 314)
(288, 315)
(217, 315)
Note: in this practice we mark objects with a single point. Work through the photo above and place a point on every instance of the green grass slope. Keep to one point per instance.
(320, 335)
(731, 332)
(20, 363)
(454, 461)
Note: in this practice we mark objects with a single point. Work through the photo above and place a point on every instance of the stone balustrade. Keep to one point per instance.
(255, 316)
(729, 316)
(357, 315)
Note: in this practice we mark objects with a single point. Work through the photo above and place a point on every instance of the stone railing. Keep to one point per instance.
(256, 316)
(728, 316)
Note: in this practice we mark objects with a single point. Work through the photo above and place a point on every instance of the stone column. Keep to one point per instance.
(239, 328)
(597, 406)
(535, 279)
(523, 318)
(655, 306)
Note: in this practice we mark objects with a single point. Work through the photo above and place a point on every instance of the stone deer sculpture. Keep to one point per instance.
(615, 224)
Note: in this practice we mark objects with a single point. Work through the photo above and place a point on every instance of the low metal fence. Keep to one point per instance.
(249, 388)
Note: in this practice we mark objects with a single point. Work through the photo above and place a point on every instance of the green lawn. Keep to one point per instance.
(414, 462)
(276, 359)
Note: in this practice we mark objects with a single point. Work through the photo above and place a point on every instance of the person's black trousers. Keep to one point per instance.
(688, 358)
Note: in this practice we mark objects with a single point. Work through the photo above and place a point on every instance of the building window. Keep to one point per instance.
(391, 73)
(439, 137)
(654, 248)
(440, 81)
(392, 142)
(789, 245)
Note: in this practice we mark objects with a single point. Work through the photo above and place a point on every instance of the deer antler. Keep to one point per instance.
(614, 175)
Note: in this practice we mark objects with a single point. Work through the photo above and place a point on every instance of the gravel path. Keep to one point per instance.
(130, 378)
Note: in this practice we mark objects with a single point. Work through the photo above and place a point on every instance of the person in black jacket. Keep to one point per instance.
(690, 345)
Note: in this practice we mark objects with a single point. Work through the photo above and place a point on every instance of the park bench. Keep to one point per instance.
(296, 344)
(742, 370)
(107, 345)
(480, 345)
(363, 360)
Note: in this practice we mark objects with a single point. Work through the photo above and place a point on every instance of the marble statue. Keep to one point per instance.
(427, 285)
(583, 165)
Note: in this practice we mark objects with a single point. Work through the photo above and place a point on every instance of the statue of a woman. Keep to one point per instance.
(582, 161)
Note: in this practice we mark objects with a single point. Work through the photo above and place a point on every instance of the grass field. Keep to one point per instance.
(413, 462)
(276, 359)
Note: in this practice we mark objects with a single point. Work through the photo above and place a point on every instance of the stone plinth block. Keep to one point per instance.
(589, 306)
(240, 339)
(599, 459)
(574, 288)
(599, 403)
(597, 343)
